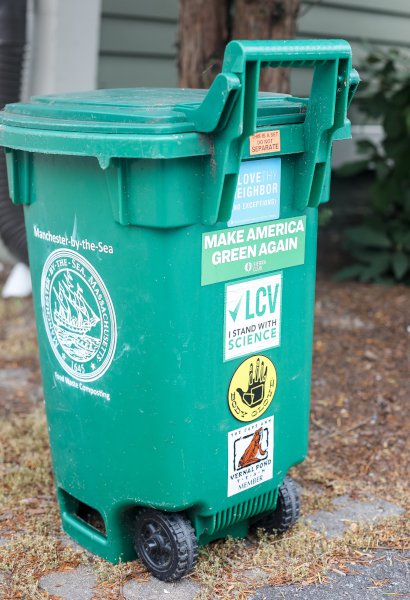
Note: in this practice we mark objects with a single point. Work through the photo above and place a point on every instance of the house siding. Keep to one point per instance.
(138, 37)
(138, 43)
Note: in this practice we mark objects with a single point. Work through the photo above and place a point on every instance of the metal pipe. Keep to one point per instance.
(12, 49)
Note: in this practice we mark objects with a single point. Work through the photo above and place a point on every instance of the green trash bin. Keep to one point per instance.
(172, 243)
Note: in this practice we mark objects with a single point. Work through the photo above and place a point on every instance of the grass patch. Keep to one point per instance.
(112, 578)
(18, 331)
(234, 569)
(25, 461)
(29, 514)
(29, 518)
(229, 569)
(29, 556)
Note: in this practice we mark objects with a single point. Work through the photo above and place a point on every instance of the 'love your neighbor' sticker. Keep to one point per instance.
(257, 195)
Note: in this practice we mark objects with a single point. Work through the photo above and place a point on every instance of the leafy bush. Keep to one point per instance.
(381, 244)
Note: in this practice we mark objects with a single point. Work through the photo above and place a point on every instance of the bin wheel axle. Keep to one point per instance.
(286, 512)
(166, 543)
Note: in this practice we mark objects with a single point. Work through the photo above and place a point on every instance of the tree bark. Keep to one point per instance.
(206, 26)
(203, 34)
(267, 20)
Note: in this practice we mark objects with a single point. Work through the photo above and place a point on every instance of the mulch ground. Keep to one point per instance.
(359, 445)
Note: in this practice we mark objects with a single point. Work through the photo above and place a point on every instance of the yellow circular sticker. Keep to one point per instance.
(252, 388)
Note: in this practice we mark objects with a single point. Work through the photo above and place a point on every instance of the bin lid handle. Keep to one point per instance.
(229, 111)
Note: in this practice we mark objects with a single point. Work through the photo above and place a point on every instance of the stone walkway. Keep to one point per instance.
(386, 576)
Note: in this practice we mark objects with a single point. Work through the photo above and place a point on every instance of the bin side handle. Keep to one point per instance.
(354, 80)
(332, 89)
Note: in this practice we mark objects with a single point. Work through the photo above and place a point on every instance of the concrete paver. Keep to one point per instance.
(155, 590)
(386, 577)
(77, 584)
(347, 511)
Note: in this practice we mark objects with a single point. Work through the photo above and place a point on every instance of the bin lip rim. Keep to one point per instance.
(122, 146)
(102, 146)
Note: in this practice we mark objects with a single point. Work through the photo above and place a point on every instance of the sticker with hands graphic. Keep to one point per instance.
(252, 388)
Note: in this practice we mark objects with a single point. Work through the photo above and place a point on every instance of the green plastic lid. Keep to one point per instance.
(140, 110)
(131, 122)
(219, 123)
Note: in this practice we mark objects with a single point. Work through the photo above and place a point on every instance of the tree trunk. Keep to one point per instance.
(203, 34)
(267, 20)
(206, 26)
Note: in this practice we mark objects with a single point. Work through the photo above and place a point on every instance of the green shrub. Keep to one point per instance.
(380, 246)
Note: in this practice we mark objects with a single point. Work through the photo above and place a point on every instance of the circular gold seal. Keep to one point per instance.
(252, 388)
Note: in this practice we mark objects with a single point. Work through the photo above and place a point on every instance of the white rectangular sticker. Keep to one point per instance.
(257, 195)
(250, 456)
(252, 316)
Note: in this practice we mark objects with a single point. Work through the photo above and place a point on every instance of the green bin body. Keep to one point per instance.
(172, 243)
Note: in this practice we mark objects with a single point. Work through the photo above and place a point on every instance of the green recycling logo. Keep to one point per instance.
(78, 315)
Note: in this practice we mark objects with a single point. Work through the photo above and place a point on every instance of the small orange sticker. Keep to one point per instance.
(264, 142)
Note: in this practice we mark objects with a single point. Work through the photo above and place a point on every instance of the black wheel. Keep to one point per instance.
(286, 512)
(166, 543)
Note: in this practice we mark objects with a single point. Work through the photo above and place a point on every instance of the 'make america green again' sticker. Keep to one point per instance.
(229, 254)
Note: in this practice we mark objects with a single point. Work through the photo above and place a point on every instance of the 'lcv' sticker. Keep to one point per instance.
(252, 315)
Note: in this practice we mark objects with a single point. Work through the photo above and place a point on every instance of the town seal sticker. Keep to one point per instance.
(252, 388)
(78, 315)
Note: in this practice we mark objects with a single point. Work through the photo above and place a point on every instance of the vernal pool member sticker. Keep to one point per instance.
(78, 315)
(252, 315)
(250, 456)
